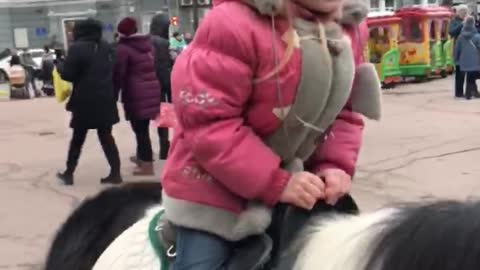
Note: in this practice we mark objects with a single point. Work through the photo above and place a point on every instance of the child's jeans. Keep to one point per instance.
(198, 250)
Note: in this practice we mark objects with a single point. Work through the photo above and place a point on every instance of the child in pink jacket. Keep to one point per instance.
(267, 114)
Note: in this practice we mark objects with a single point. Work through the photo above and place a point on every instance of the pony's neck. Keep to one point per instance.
(338, 242)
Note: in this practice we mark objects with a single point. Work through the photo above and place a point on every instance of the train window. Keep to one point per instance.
(402, 33)
(378, 43)
(444, 33)
(411, 30)
(415, 30)
(433, 31)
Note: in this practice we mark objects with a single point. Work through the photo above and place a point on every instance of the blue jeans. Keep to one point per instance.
(198, 250)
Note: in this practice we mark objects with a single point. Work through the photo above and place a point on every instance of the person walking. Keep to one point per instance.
(16, 71)
(30, 67)
(59, 57)
(177, 44)
(136, 78)
(46, 71)
(89, 66)
(467, 55)
(454, 29)
(159, 29)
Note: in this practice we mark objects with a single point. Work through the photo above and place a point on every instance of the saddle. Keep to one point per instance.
(260, 252)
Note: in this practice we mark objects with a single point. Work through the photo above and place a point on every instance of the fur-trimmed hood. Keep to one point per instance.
(88, 30)
(353, 12)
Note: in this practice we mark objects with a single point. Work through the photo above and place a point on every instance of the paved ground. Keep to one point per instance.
(427, 146)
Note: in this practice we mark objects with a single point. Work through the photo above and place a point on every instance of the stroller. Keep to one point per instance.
(19, 87)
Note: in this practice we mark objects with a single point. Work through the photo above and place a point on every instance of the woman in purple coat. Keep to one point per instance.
(135, 77)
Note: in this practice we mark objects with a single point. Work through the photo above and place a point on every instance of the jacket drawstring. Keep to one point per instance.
(277, 78)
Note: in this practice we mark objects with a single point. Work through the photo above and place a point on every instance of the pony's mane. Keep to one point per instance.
(91, 228)
(337, 241)
(428, 236)
(435, 236)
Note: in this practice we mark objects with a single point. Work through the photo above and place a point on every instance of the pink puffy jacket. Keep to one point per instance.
(217, 157)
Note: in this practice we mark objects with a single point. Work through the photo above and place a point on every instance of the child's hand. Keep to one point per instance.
(337, 184)
(303, 190)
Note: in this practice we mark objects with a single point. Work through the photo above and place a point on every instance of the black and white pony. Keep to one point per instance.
(429, 236)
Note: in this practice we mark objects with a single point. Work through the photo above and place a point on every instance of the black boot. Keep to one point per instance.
(113, 178)
(459, 82)
(468, 92)
(66, 178)
(111, 153)
(134, 160)
(164, 151)
(74, 152)
(164, 143)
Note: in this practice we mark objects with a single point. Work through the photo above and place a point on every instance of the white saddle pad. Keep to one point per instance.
(132, 249)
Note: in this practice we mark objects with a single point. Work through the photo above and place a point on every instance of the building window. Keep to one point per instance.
(390, 4)
(374, 4)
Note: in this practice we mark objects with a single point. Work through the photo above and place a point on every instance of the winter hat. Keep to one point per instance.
(461, 10)
(89, 28)
(127, 26)
(469, 22)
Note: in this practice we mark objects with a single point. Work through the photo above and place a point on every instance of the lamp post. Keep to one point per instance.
(195, 15)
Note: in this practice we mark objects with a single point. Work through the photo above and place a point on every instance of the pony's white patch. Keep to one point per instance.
(132, 249)
(341, 243)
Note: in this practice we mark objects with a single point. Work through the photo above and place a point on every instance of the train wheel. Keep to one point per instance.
(443, 73)
(389, 85)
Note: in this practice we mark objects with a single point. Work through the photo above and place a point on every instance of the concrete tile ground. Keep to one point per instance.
(427, 146)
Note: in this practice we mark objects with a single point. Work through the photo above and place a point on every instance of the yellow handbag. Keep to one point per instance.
(61, 87)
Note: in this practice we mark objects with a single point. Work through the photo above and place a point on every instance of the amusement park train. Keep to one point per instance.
(412, 42)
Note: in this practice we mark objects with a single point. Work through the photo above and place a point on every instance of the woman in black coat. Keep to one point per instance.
(89, 66)
(159, 29)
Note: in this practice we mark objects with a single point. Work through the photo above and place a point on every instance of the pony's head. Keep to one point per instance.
(431, 236)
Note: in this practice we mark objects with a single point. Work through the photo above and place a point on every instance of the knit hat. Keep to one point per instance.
(127, 26)
(469, 21)
(461, 10)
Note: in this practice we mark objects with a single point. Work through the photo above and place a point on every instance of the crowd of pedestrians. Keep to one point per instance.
(135, 70)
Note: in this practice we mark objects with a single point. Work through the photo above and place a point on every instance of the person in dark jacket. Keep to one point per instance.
(454, 29)
(467, 55)
(136, 78)
(59, 57)
(31, 67)
(159, 30)
(89, 66)
(47, 70)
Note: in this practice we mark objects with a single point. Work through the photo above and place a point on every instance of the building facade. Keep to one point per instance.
(35, 23)
(390, 5)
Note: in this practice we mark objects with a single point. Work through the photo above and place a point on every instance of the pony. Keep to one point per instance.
(431, 235)
(97, 221)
